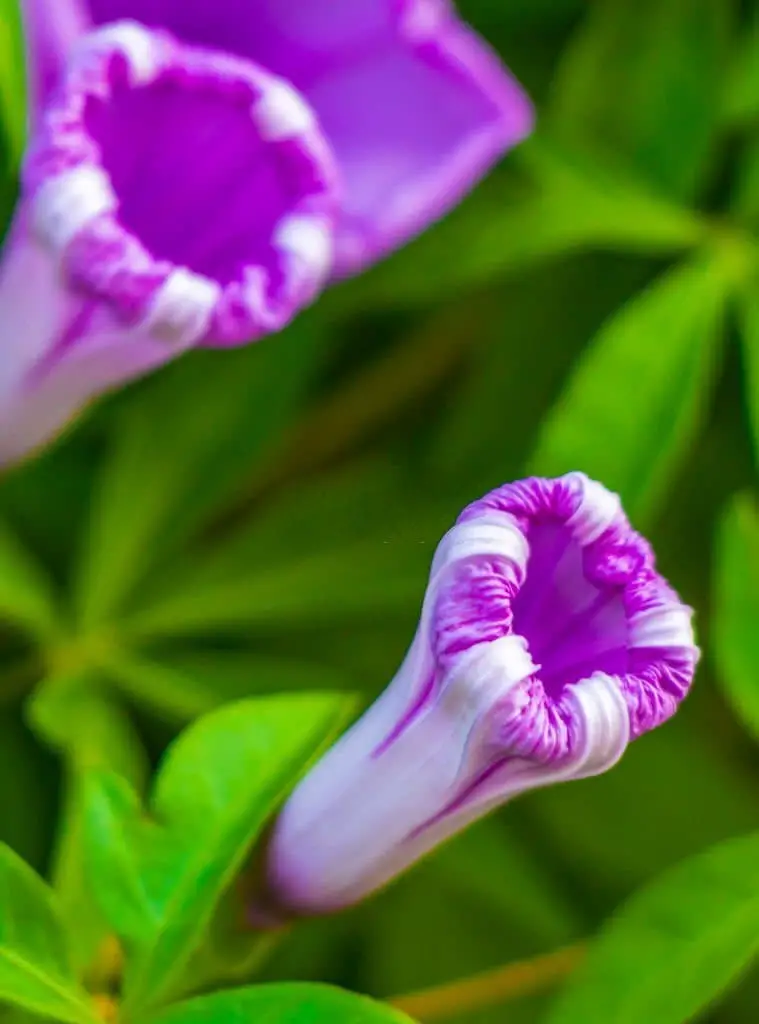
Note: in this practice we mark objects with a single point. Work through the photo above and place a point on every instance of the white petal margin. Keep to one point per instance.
(492, 533)
(282, 113)
(181, 309)
(307, 247)
(133, 41)
(666, 626)
(598, 510)
(65, 204)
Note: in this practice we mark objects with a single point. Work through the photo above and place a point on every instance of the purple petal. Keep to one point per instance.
(286, 35)
(60, 347)
(414, 124)
(35, 309)
(51, 28)
(102, 354)
(415, 106)
(547, 641)
(43, 319)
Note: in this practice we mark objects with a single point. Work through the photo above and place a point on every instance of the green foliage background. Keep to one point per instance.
(260, 522)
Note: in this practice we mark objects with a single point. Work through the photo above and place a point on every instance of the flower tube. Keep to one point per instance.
(547, 642)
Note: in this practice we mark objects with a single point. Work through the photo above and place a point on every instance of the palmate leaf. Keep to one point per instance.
(361, 580)
(181, 686)
(561, 203)
(77, 716)
(26, 595)
(35, 967)
(351, 546)
(160, 878)
(675, 946)
(638, 396)
(291, 1003)
(181, 442)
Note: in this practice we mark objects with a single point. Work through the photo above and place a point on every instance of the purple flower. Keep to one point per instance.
(199, 169)
(547, 642)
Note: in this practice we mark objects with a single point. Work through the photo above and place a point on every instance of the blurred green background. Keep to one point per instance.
(263, 519)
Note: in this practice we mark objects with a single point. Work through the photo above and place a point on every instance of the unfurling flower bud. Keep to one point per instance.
(547, 642)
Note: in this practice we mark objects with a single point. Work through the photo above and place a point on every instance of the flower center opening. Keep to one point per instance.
(191, 190)
(574, 625)
(555, 563)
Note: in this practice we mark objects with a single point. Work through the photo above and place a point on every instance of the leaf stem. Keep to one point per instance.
(491, 987)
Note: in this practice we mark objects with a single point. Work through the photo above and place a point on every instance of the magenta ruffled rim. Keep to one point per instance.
(111, 263)
(659, 677)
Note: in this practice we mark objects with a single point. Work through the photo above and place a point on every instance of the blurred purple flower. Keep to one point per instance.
(547, 642)
(198, 170)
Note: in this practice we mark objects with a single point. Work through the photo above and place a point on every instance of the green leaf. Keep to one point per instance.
(745, 199)
(736, 611)
(675, 946)
(231, 952)
(161, 877)
(517, 370)
(77, 716)
(26, 595)
(27, 790)
(12, 79)
(176, 454)
(638, 397)
(35, 969)
(562, 203)
(183, 686)
(741, 104)
(348, 546)
(307, 517)
(631, 64)
(748, 322)
(360, 581)
(289, 1003)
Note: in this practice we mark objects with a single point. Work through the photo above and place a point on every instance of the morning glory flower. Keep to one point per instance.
(547, 642)
(198, 170)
